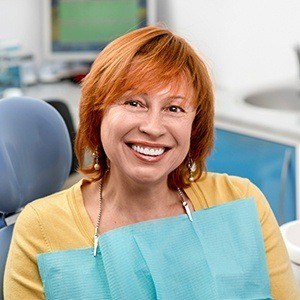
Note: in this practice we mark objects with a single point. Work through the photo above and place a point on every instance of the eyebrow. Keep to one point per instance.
(177, 97)
(169, 98)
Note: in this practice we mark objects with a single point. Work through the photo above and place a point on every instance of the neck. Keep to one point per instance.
(136, 200)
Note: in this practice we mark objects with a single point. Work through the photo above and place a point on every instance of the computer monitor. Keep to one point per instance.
(80, 29)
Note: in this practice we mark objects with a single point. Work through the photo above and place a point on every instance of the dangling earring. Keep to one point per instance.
(192, 168)
(96, 160)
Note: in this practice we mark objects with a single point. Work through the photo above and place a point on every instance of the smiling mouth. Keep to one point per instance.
(148, 151)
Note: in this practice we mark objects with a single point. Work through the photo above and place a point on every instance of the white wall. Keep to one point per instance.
(246, 43)
(21, 20)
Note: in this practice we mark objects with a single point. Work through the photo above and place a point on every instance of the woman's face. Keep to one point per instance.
(147, 136)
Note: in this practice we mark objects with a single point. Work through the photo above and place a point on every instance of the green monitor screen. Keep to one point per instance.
(80, 29)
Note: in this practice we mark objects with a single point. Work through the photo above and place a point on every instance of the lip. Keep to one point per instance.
(147, 158)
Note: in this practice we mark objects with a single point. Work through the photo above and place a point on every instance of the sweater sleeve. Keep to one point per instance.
(21, 278)
(283, 285)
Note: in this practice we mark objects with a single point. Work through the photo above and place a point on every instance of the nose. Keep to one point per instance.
(153, 125)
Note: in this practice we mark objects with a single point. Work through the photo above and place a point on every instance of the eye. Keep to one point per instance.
(133, 103)
(175, 109)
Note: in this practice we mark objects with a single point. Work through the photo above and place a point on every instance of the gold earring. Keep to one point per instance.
(96, 161)
(192, 168)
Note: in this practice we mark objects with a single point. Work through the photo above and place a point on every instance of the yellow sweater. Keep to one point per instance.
(60, 222)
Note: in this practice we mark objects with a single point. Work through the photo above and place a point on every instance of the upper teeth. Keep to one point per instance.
(148, 151)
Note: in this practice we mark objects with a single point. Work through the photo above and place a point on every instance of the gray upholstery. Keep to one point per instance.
(5, 237)
(35, 159)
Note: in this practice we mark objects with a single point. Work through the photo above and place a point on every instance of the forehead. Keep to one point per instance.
(147, 74)
(177, 87)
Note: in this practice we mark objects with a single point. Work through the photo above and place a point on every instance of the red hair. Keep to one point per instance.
(157, 56)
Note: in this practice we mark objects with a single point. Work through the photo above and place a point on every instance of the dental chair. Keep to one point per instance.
(64, 111)
(35, 160)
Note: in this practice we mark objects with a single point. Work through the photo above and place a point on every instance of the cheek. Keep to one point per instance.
(115, 124)
(186, 136)
(183, 132)
(109, 126)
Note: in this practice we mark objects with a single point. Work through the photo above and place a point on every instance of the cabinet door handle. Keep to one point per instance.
(283, 182)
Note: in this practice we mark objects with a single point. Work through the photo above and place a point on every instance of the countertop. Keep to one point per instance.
(231, 109)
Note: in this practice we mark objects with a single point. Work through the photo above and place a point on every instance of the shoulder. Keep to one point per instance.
(49, 205)
(217, 185)
(40, 206)
(55, 204)
(215, 188)
(47, 218)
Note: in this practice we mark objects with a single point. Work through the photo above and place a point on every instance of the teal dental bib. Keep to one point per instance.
(220, 255)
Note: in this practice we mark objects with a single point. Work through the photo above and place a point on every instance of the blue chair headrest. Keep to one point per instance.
(35, 152)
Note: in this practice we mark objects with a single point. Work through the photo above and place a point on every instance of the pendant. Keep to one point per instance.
(187, 209)
(96, 242)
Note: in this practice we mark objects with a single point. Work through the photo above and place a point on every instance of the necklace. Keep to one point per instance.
(96, 235)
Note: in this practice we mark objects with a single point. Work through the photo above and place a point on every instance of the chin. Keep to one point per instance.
(148, 177)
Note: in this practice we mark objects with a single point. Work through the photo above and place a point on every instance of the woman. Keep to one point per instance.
(149, 223)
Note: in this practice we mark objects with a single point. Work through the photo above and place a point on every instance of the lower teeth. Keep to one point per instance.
(148, 154)
(152, 155)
